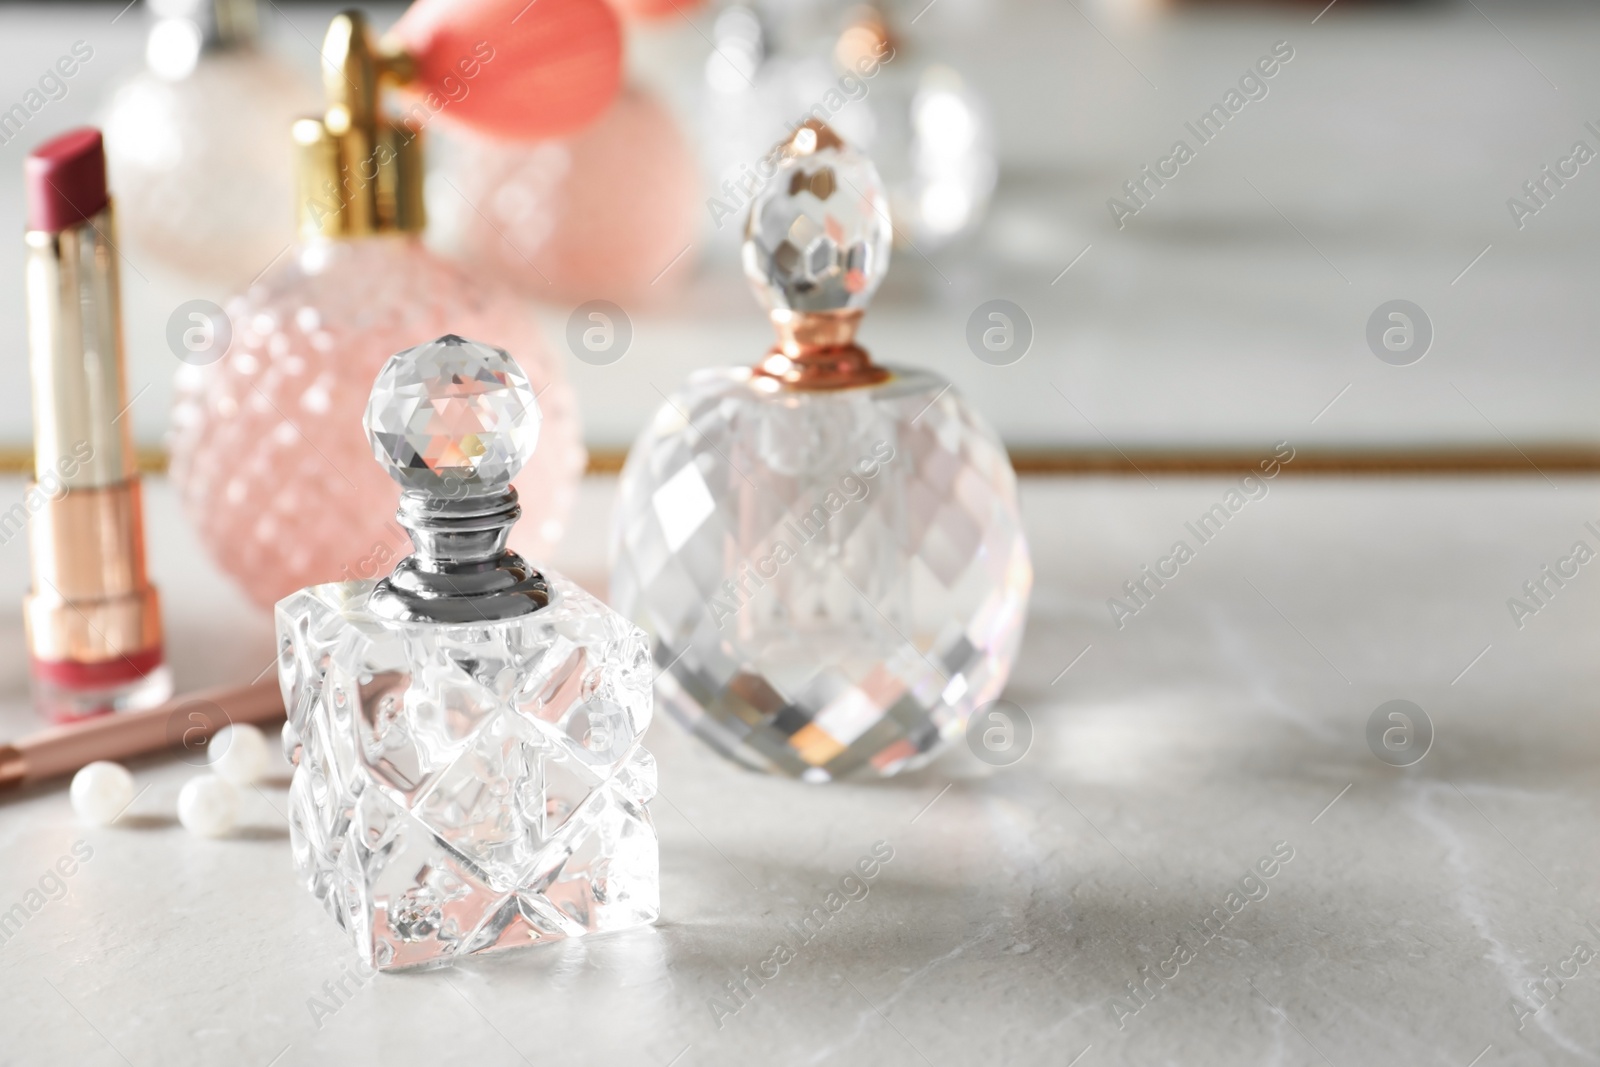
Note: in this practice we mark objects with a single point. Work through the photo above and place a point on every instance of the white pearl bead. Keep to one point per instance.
(208, 806)
(101, 791)
(238, 753)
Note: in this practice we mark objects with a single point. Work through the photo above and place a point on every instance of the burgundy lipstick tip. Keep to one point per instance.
(66, 179)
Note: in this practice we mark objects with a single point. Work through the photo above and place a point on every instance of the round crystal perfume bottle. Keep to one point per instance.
(267, 449)
(827, 553)
(195, 142)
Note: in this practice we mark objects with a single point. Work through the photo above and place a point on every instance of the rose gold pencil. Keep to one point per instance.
(185, 722)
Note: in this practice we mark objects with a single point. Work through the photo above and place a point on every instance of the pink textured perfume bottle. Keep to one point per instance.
(267, 449)
(610, 213)
(654, 10)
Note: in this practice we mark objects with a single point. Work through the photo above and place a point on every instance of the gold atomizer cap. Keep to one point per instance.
(358, 172)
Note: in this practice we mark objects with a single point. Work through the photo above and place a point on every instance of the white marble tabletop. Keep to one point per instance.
(1219, 734)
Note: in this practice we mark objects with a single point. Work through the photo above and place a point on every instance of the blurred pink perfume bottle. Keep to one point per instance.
(268, 452)
(610, 213)
(654, 10)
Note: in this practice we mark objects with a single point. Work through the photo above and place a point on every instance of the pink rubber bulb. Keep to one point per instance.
(541, 69)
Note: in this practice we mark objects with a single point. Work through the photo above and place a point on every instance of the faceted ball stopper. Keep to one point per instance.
(818, 237)
(452, 417)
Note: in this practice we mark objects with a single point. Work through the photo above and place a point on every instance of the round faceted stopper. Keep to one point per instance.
(819, 234)
(453, 417)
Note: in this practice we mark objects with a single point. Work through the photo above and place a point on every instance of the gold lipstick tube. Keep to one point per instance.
(92, 618)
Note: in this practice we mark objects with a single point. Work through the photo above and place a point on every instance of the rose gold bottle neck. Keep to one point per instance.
(817, 350)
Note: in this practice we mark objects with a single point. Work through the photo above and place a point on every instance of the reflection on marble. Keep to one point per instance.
(1168, 762)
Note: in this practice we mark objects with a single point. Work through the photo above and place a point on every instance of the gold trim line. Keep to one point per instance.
(1166, 463)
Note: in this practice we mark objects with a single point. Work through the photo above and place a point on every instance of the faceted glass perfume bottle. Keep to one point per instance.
(827, 553)
(195, 142)
(466, 733)
(267, 451)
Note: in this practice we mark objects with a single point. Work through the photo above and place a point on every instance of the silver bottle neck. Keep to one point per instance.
(461, 570)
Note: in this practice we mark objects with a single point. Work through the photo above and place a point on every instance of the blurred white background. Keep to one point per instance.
(1226, 314)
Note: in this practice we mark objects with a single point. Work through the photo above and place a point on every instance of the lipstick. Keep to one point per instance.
(92, 618)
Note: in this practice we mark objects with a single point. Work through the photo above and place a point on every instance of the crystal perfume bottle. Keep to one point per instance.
(195, 142)
(466, 732)
(827, 553)
(267, 452)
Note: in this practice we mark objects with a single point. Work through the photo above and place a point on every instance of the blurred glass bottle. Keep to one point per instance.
(195, 143)
(928, 130)
(268, 453)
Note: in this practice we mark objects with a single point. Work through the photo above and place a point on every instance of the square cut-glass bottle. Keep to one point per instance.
(466, 732)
